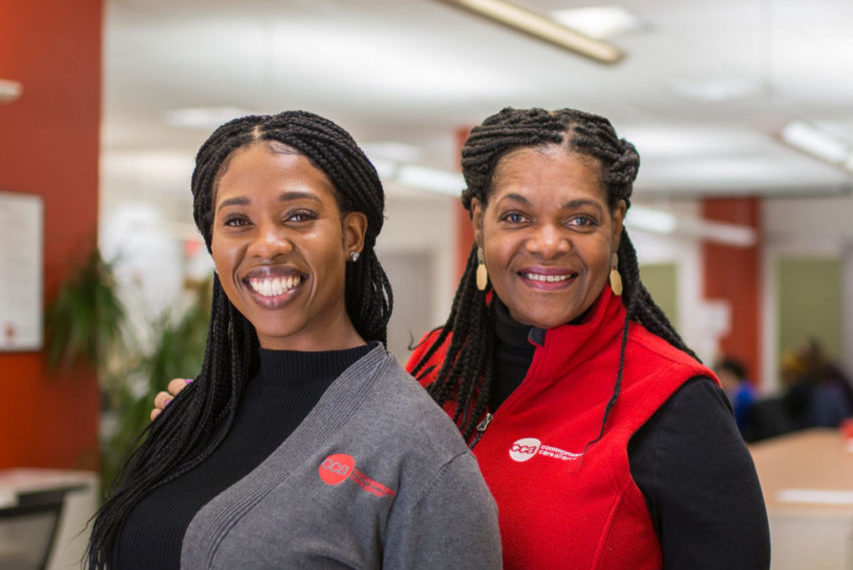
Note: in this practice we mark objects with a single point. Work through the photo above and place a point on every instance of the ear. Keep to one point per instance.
(478, 211)
(354, 226)
(618, 219)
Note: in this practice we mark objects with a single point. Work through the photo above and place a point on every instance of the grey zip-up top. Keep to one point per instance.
(375, 476)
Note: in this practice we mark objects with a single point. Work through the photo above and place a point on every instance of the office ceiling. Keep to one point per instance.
(704, 92)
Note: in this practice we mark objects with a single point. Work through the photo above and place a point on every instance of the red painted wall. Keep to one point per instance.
(49, 146)
(734, 275)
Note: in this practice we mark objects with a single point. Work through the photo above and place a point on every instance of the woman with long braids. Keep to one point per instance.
(604, 440)
(301, 444)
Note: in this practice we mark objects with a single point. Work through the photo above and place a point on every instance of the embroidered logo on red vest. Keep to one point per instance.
(340, 467)
(526, 448)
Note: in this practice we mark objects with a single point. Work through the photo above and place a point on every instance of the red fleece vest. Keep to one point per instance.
(561, 506)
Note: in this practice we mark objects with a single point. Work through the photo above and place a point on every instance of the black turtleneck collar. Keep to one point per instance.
(514, 350)
(297, 369)
(513, 354)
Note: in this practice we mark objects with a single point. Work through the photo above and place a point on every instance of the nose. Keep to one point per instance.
(269, 241)
(548, 241)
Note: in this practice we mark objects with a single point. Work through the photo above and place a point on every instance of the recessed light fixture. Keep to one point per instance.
(542, 28)
(9, 90)
(650, 220)
(816, 142)
(203, 117)
(602, 22)
(713, 90)
(432, 179)
(662, 222)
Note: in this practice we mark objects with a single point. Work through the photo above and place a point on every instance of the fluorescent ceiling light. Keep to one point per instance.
(431, 179)
(811, 140)
(9, 90)
(716, 89)
(203, 117)
(650, 220)
(541, 27)
(602, 22)
(385, 169)
(720, 232)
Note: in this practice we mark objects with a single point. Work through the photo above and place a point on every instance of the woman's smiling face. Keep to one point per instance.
(280, 245)
(547, 234)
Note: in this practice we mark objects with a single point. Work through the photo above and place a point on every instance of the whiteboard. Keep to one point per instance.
(21, 273)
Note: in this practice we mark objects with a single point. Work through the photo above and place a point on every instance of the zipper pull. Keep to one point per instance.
(481, 429)
(484, 425)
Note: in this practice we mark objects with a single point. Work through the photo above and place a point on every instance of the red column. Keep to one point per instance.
(733, 274)
(49, 146)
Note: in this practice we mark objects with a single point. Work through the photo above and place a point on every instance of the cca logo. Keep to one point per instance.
(525, 448)
(336, 468)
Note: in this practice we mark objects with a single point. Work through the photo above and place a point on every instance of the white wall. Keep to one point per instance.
(685, 253)
(425, 224)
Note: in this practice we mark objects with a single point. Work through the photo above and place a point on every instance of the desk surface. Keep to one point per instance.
(808, 470)
(18, 481)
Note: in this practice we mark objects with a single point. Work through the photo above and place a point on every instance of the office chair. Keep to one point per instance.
(27, 530)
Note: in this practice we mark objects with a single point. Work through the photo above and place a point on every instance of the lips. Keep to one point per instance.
(547, 277)
(273, 286)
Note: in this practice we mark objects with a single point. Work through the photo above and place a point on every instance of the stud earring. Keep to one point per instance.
(353, 256)
(615, 278)
(482, 274)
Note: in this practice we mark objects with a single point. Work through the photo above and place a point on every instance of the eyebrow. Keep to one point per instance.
(570, 205)
(283, 197)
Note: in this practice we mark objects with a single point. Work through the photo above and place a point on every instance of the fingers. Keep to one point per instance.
(161, 399)
(176, 385)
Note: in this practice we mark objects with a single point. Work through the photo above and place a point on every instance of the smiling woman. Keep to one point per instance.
(605, 442)
(273, 204)
(301, 443)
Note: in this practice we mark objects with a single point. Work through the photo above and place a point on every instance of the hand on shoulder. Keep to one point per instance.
(162, 399)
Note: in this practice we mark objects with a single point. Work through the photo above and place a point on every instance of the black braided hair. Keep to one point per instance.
(466, 373)
(193, 425)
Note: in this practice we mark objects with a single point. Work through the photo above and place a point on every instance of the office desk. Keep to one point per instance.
(807, 481)
(26, 486)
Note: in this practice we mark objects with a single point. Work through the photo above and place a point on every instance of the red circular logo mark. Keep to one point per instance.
(336, 468)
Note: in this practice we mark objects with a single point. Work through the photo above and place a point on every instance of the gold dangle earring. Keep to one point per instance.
(615, 278)
(482, 273)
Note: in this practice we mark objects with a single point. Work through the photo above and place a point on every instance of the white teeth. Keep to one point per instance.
(546, 278)
(274, 287)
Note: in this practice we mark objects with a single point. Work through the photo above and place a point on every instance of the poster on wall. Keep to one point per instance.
(21, 277)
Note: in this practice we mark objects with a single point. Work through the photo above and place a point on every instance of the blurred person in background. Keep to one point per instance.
(733, 379)
(818, 393)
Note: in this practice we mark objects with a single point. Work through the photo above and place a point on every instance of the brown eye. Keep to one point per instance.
(300, 216)
(235, 221)
(513, 217)
(582, 222)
